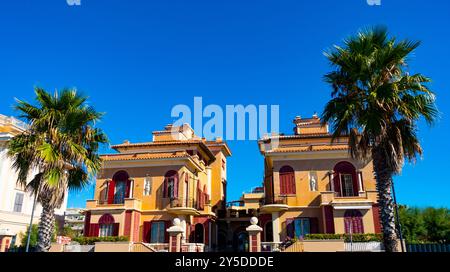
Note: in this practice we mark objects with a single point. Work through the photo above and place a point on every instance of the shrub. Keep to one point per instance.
(93, 240)
(357, 237)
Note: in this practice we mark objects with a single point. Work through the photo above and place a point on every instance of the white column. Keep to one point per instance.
(360, 182)
(183, 226)
(131, 188)
(276, 227)
(330, 178)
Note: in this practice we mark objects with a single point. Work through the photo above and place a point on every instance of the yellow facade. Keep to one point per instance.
(309, 178)
(177, 175)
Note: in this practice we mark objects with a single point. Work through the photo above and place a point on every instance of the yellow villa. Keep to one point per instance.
(313, 186)
(142, 188)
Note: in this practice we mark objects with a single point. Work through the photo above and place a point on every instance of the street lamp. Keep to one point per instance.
(31, 222)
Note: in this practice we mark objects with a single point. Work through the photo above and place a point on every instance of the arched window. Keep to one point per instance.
(107, 226)
(119, 188)
(171, 185)
(345, 180)
(353, 222)
(287, 181)
(199, 233)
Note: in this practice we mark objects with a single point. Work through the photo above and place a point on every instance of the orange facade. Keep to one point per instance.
(312, 185)
(142, 188)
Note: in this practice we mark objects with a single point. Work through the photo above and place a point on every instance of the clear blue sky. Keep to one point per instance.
(137, 59)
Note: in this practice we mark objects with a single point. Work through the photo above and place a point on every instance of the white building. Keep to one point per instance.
(15, 204)
(74, 218)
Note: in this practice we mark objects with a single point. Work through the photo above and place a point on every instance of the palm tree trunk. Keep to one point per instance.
(384, 185)
(46, 228)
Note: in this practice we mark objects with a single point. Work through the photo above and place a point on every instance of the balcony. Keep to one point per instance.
(127, 204)
(183, 206)
(276, 204)
(364, 200)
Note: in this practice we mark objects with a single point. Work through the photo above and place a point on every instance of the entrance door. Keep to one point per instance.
(242, 242)
(199, 233)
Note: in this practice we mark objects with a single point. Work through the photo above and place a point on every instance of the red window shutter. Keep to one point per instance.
(290, 231)
(94, 230)
(165, 193)
(329, 219)
(347, 225)
(175, 185)
(111, 190)
(166, 234)
(355, 183)
(282, 184)
(292, 183)
(87, 224)
(314, 225)
(146, 235)
(376, 218)
(116, 229)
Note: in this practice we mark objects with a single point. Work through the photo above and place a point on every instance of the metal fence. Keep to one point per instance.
(79, 248)
(364, 247)
(427, 248)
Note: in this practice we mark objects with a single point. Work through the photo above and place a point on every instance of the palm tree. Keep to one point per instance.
(377, 104)
(58, 151)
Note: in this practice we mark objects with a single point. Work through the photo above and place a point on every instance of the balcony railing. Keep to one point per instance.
(270, 246)
(282, 200)
(128, 203)
(182, 203)
(192, 247)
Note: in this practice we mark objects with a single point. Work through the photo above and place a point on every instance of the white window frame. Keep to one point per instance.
(105, 230)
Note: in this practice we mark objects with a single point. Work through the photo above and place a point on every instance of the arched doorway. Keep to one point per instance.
(353, 222)
(345, 180)
(119, 188)
(242, 242)
(268, 232)
(199, 234)
(222, 240)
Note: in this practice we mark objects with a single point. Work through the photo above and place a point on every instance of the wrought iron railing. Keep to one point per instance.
(276, 200)
(183, 203)
(270, 246)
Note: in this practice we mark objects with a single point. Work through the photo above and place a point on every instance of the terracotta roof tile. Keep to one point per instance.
(180, 142)
(144, 156)
(310, 148)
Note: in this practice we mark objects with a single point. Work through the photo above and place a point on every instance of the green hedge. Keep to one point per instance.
(366, 237)
(93, 240)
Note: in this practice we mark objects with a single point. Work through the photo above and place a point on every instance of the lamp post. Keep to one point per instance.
(399, 225)
(31, 222)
